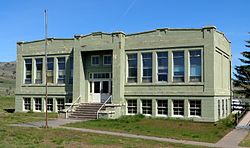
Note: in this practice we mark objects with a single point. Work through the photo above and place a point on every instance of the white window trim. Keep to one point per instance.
(34, 106)
(161, 115)
(107, 56)
(127, 107)
(93, 57)
(179, 116)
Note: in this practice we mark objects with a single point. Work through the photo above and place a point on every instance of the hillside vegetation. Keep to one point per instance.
(7, 78)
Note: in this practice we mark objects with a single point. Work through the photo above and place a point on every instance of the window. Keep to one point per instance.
(100, 75)
(95, 60)
(69, 99)
(39, 71)
(147, 107)
(218, 108)
(195, 107)
(38, 104)
(28, 68)
(132, 68)
(178, 107)
(50, 70)
(147, 67)
(27, 105)
(178, 57)
(107, 60)
(162, 107)
(226, 107)
(195, 65)
(223, 110)
(50, 104)
(132, 106)
(61, 70)
(60, 104)
(162, 59)
(71, 60)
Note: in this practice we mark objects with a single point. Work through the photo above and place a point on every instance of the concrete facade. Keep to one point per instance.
(212, 92)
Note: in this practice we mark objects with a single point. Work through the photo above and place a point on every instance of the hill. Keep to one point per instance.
(7, 78)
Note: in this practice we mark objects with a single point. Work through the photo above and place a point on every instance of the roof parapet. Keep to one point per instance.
(20, 42)
(209, 27)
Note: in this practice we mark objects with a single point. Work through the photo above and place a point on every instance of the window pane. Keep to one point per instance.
(132, 106)
(178, 57)
(132, 68)
(162, 107)
(195, 107)
(147, 106)
(28, 68)
(107, 60)
(147, 67)
(162, 58)
(178, 107)
(39, 70)
(195, 65)
(105, 87)
(95, 60)
(97, 87)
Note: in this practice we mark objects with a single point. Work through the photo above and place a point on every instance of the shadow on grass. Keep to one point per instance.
(9, 110)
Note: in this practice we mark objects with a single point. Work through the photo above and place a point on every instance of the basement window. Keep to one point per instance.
(27, 105)
(132, 106)
(50, 104)
(147, 107)
(38, 104)
(60, 104)
(178, 107)
(195, 107)
(162, 107)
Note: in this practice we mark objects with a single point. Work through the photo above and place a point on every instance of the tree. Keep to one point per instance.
(242, 74)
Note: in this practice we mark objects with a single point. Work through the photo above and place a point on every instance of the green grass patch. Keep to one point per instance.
(246, 141)
(169, 128)
(55, 137)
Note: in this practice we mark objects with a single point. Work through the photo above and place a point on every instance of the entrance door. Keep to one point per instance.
(101, 90)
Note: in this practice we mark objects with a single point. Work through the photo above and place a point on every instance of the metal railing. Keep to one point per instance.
(71, 106)
(97, 113)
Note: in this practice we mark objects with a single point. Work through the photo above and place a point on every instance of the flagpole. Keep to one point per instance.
(46, 81)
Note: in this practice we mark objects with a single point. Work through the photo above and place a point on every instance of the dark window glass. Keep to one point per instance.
(95, 60)
(178, 107)
(195, 107)
(105, 87)
(60, 104)
(61, 70)
(147, 67)
(50, 70)
(162, 107)
(50, 104)
(195, 65)
(147, 107)
(132, 68)
(178, 57)
(39, 71)
(27, 105)
(38, 104)
(162, 58)
(107, 60)
(28, 68)
(97, 87)
(132, 106)
(71, 60)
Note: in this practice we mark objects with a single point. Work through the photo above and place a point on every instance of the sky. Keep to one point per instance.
(24, 20)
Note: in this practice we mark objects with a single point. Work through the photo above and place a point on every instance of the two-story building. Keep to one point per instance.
(184, 73)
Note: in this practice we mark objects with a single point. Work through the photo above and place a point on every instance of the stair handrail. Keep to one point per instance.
(71, 106)
(97, 113)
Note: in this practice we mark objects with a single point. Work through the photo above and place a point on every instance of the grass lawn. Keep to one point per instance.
(246, 141)
(170, 128)
(40, 137)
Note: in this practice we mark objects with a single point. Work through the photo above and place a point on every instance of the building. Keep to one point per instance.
(165, 72)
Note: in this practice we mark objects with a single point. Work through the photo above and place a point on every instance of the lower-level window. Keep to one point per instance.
(27, 105)
(162, 107)
(218, 108)
(38, 104)
(60, 104)
(132, 106)
(195, 107)
(178, 107)
(50, 104)
(147, 107)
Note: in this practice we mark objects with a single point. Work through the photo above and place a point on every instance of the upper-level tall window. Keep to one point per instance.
(28, 71)
(61, 70)
(162, 59)
(195, 65)
(71, 60)
(147, 67)
(178, 57)
(107, 60)
(39, 70)
(132, 68)
(50, 70)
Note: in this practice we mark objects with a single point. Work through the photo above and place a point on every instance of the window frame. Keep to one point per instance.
(95, 56)
(39, 81)
(189, 65)
(60, 102)
(146, 79)
(173, 67)
(178, 108)
(133, 107)
(36, 105)
(28, 80)
(162, 107)
(196, 108)
(61, 71)
(162, 67)
(50, 104)
(147, 108)
(27, 103)
(103, 60)
(133, 78)
(50, 70)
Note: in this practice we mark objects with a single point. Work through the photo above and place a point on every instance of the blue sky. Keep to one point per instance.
(23, 20)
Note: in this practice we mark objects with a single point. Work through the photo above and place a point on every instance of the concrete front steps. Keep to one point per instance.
(86, 111)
